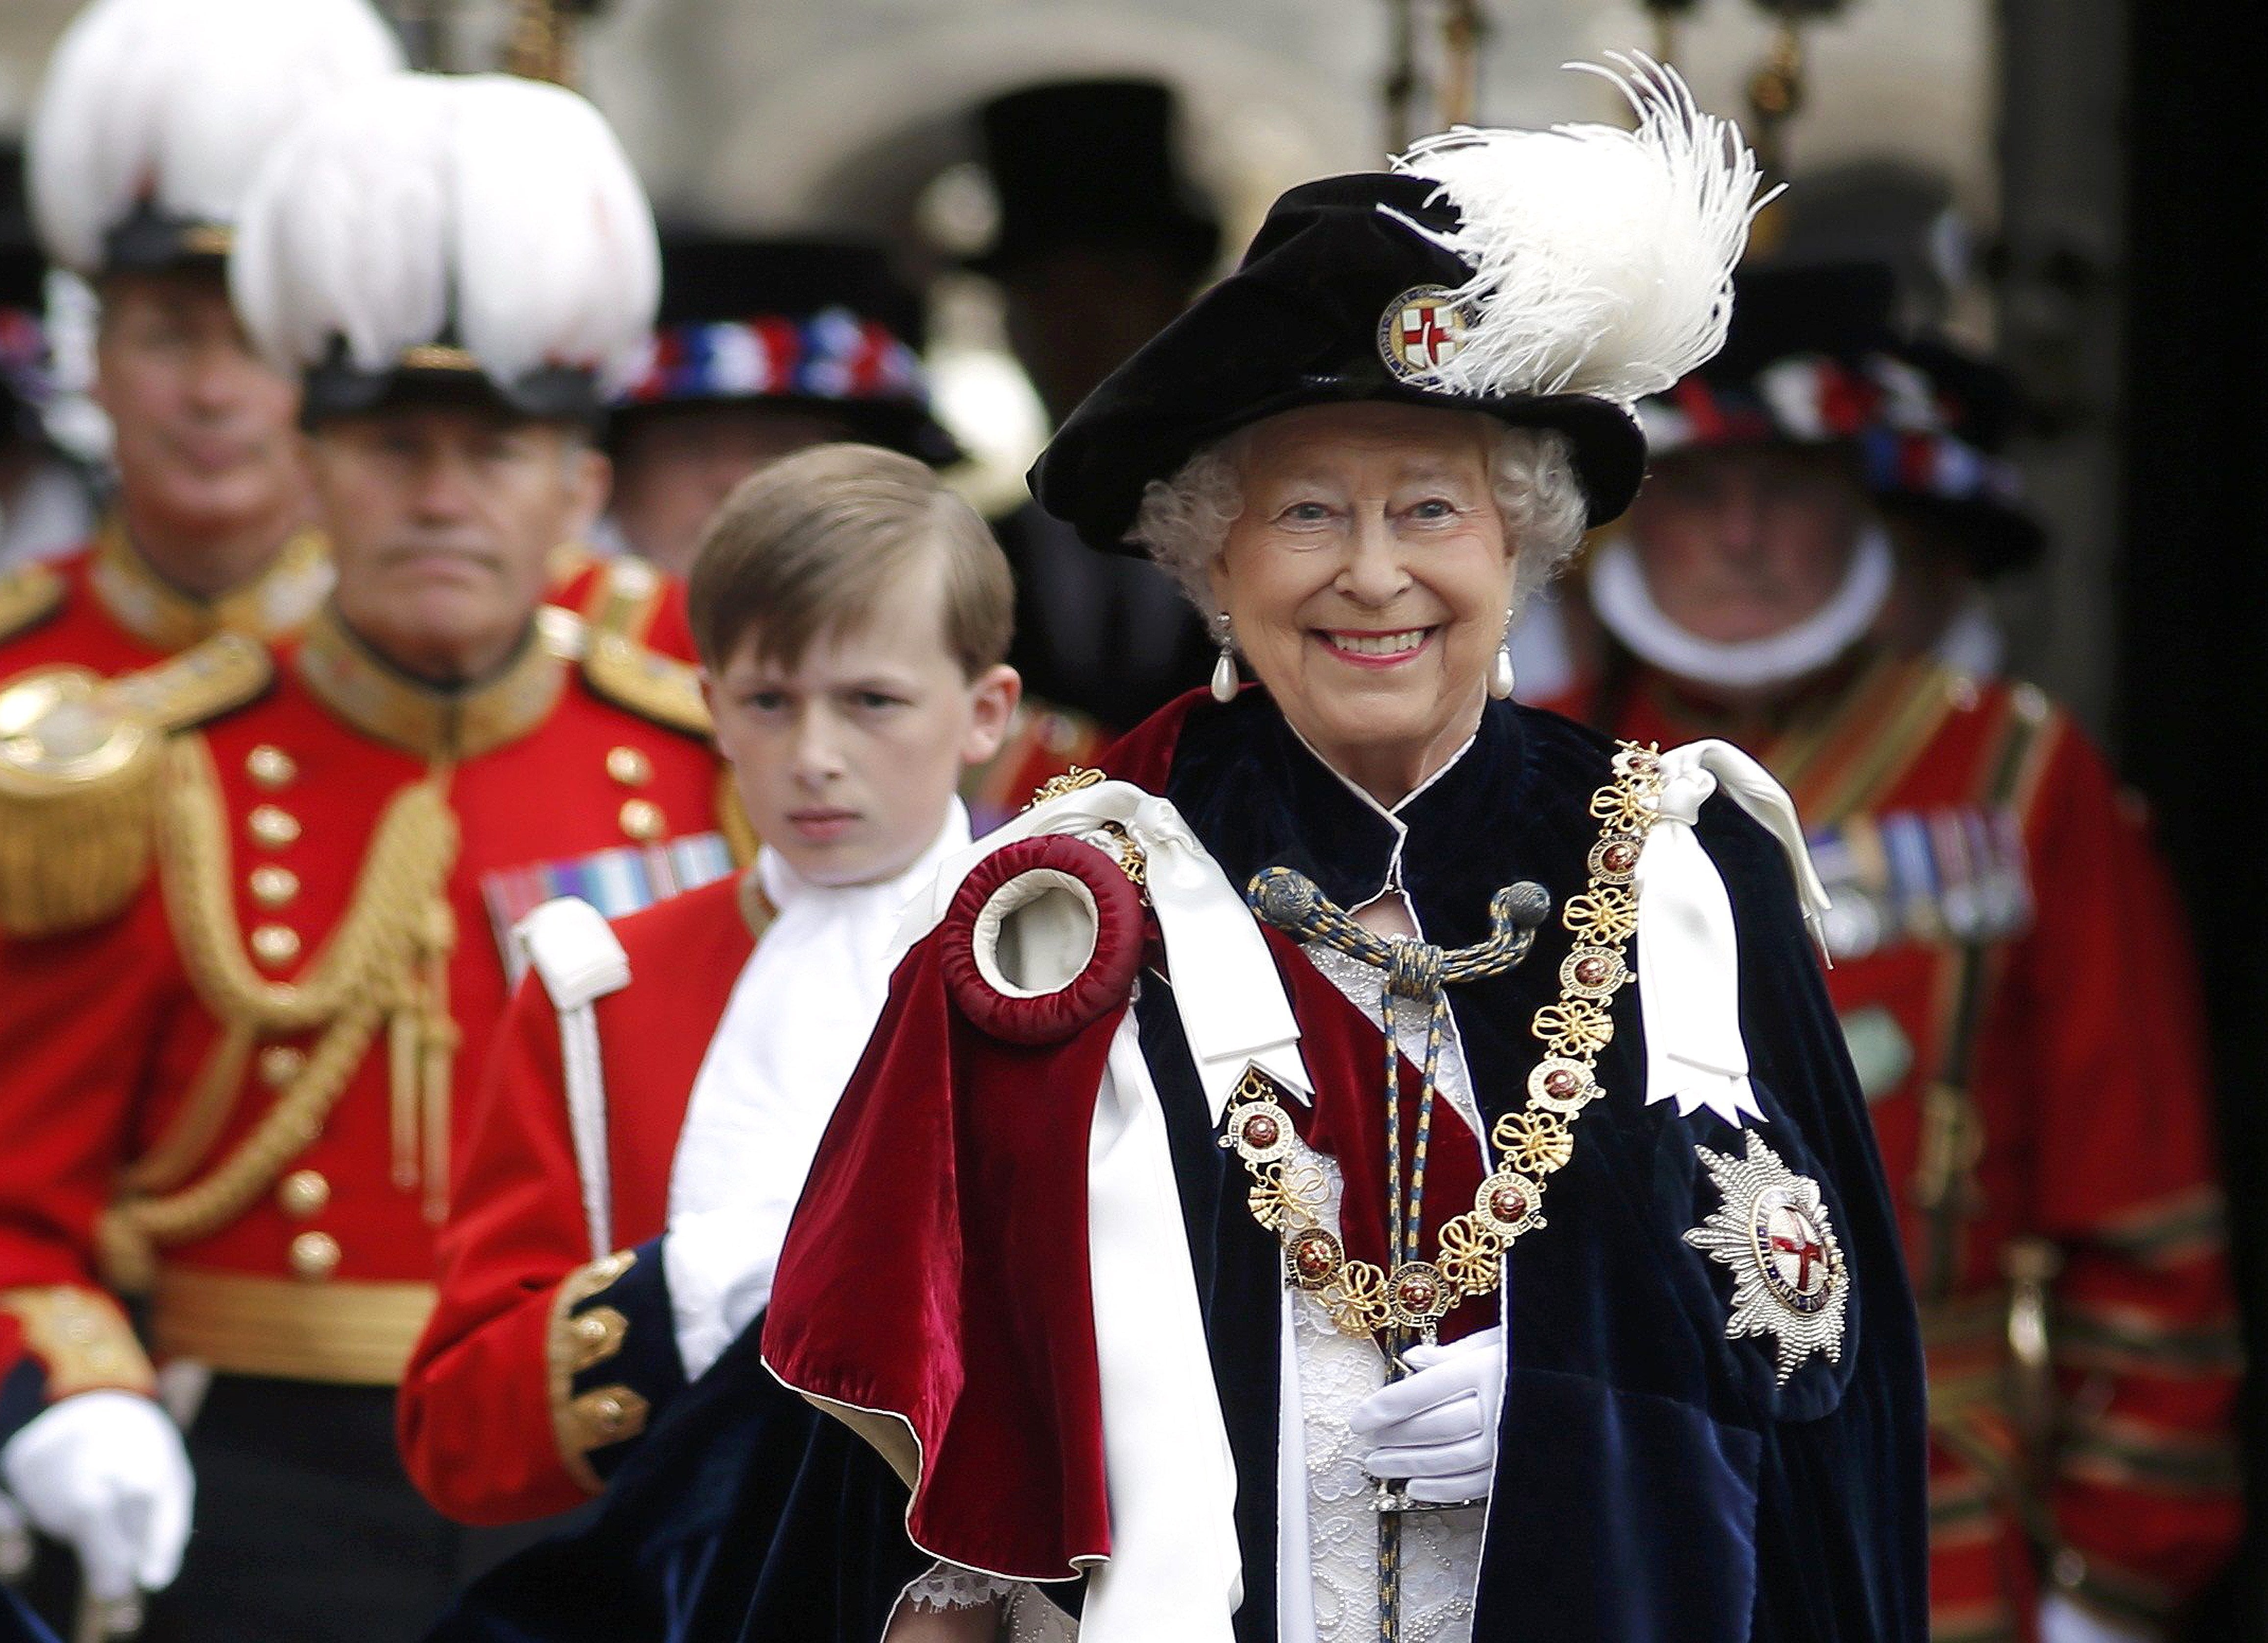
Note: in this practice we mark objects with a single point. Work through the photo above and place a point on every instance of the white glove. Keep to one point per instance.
(106, 1472)
(2063, 1621)
(1437, 1426)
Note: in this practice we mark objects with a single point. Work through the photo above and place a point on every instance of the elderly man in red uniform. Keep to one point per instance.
(2010, 970)
(150, 122)
(231, 1068)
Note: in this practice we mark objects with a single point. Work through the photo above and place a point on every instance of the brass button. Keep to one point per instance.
(629, 767)
(608, 1411)
(304, 1192)
(642, 819)
(314, 1256)
(270, 767)
(275, 944)
(272, 828)
(280, 1063)
(590, 1328)
(273, 886)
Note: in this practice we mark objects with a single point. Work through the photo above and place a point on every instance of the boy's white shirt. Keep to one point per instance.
(791, 1034)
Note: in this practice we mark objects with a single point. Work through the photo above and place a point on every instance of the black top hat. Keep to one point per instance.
(1092, 163)
(22, 302)
(23, 269)
(1843, 311)
(823, 324)
(23, 279)
(1335, 302)
(1814, 357)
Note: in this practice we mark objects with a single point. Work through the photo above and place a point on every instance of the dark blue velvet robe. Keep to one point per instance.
(1655, 1482)
(18, 1624)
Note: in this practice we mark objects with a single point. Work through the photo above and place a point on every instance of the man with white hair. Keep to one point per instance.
(231, 1075)
(148, 125)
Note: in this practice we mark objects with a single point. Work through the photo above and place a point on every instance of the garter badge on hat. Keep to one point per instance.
(1772, 1230)
(1421, 331)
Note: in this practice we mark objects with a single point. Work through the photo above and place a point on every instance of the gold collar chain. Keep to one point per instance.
(1532, 1143)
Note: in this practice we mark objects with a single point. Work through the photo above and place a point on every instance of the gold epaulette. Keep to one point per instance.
(29, 594)
(651, 685)
(80, 759)
(623, 598)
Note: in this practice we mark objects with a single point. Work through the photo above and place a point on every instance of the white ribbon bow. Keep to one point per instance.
(1689, 954)
(1232, 1005)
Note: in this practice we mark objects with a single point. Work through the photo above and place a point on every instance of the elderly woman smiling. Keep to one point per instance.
(1368, 559)
(1380, 1162)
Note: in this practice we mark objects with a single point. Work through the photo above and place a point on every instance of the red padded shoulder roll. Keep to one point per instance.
(1048, 1008)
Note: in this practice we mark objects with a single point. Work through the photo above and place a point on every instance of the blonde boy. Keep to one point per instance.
(659, 1084)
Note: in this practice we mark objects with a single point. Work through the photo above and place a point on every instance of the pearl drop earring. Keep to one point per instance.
(1224, 666)
(1499, 679)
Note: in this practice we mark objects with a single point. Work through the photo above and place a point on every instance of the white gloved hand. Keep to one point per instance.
(1436, 1427)
(106, 1472)
(2063, 1621)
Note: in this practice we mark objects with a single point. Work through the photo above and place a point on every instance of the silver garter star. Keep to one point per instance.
(1772, 1230)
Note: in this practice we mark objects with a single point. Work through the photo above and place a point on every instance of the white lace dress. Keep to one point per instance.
(1335, 1372)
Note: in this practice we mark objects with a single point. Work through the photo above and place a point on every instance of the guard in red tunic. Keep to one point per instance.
(152, 117)
(269, 887)
(853, 616)
(2010, 969)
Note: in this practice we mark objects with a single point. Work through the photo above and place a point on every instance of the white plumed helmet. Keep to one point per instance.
(154, 114)
(450, 232)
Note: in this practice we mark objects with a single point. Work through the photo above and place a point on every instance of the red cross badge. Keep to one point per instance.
(1773, 1232)
(1421, 331)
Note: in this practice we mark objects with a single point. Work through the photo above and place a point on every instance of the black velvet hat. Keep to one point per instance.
(1546, 278)
(1092, 163)
(819, 325)
(1327, 307)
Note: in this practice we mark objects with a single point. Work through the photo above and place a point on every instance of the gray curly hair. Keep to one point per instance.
(1183, 521)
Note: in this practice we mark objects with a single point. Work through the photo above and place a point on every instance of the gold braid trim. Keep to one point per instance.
(410, 855)
(380, 964)
(131, 1230)
(81, 1338)
(582, 1422)
(194, 1129)
(652, 686)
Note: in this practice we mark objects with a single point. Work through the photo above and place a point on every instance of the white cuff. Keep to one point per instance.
(719, 1269)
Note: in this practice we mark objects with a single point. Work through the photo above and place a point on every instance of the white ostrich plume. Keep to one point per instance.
(1602, 259)
(501, 209)
(172, 103)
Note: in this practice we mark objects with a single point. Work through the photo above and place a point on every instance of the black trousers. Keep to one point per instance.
(307, 1529)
